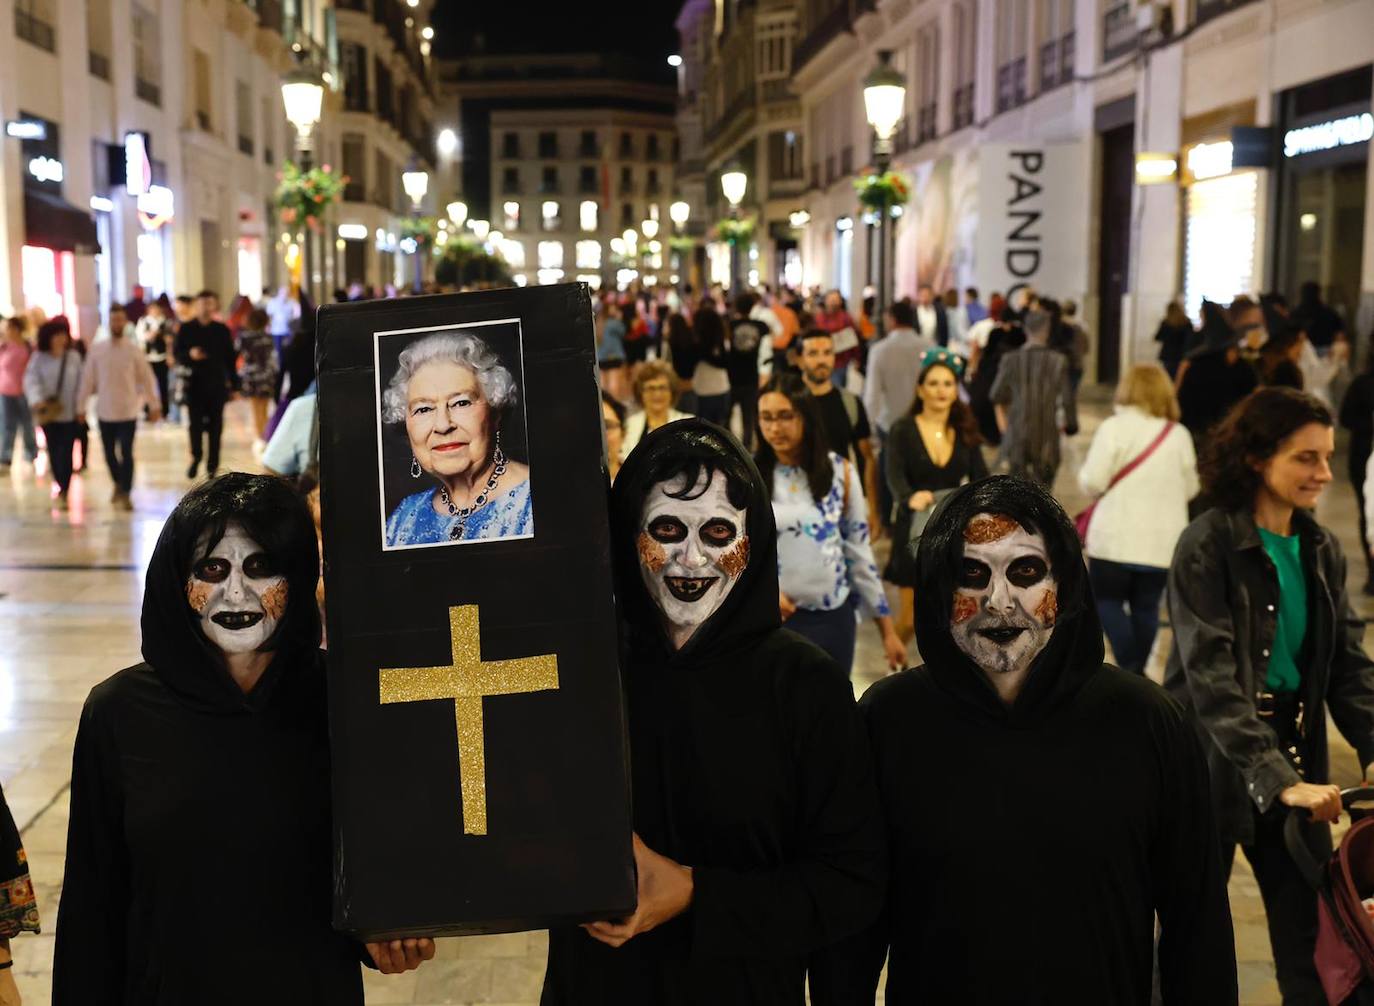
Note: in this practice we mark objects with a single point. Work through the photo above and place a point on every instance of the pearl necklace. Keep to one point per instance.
(498, 469)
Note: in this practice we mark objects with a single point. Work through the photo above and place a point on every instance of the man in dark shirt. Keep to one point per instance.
(843, 418)
(205, 347)
(1322, 324)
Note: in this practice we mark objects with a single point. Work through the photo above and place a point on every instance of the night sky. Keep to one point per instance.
(640, 30)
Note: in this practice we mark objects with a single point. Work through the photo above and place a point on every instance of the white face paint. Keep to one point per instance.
(691, 551)
(237, 593)
(1005, 600)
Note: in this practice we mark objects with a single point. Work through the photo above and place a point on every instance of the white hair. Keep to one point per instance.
(496, 382)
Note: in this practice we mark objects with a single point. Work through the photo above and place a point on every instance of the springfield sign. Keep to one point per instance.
(1033, 205)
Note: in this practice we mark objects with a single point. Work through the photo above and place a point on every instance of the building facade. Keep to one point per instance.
(1023, 126)
(145, 137)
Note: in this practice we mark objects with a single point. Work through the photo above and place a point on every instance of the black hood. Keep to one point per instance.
(173, 643)
(1074, 651)
(751, 609)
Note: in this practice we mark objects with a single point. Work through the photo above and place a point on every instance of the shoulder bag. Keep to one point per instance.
(1084, 519)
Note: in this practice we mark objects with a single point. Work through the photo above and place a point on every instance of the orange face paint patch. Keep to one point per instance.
(1048, 608)
(734, 561)
(274, 599)
(965, 607)
(198, 593)
(982, 530)
(651, 553)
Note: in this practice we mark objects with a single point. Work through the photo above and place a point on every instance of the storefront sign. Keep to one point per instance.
(46, 169)
(1343, 132)
(353, 232)
(1032, 225)
(26, 129)
(138, 167)
(1209, 160)
(156, 207)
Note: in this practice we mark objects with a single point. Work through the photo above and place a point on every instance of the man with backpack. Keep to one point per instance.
(843, 417)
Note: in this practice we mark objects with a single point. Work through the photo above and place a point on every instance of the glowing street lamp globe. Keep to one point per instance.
(457, 212)
(649, 228)
(416, 184)
(679, 212)
(733, 183)
(884, 96)
(302, 94)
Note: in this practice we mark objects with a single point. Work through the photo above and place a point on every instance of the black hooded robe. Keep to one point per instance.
(1032, 846)
(750, 765)
(198, 854)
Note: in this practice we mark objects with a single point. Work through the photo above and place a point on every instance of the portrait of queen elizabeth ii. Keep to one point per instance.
(453, 395)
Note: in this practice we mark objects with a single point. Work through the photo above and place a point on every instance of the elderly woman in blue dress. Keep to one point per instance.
(451, 391)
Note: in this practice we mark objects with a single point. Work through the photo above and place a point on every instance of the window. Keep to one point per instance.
(551, 215)
(1054, 29)
(548, 144)
(1011, 53)
(627, 145)
(773, 38)
(33, 22)
(147, 56)
(510, 181)
(784, 156)
(627, 180)
(243, 116)
(651, 187)
(927, 81)
(510, 146)
(587, 145)
(1119, 34)
(200, 84)
(587, 214)
(652, 152)
(965, 61)
(586, 180)
(548, 181)
(269, 132)
(353, 66)
(354, 151)
(514, 253)
(550, 254)
(98, 38)
(627, 215)
(511, 213)
(383, 185)
(589, 254)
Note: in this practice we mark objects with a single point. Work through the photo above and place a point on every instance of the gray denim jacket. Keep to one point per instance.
(1223, 603)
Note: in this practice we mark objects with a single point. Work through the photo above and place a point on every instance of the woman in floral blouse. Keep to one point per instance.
(825, 561)
(18, 909)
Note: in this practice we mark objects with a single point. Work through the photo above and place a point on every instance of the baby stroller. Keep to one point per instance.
(1345, 931)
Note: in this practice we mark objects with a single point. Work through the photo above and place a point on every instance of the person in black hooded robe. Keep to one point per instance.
(758, 838)
(1041, 807)
(198, 853)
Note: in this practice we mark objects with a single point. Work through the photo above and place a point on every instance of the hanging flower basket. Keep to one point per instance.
(735, 232)
(875, 191)
(303, 196)
(421, 230)
(681, 244)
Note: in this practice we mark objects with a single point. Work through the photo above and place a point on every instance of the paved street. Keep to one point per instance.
(70, 590)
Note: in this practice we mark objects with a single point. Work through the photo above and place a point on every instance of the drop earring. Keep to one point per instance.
(415, 472)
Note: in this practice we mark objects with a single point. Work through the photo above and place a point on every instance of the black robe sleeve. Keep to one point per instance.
(1197, 962)
(89, 961)
(835, 885)
(18, 908)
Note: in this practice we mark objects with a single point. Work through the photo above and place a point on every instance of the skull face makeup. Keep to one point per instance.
(692, 549)
(237, 592)
(1005, 600)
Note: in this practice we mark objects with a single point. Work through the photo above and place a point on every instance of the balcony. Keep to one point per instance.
(549, 187)
(1011, 84)
(1205, 10)
(963, 105)
(778, 90)
(34, 30)
(146, 90)
(822, 32)
(98, 65)
(1119, 33)
(269, 14)
(925, 123)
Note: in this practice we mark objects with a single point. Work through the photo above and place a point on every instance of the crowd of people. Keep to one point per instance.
(935, 430)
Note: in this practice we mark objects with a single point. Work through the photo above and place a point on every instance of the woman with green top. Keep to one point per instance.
(1265, 643)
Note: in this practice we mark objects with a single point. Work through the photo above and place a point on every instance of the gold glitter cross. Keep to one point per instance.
(467, 681)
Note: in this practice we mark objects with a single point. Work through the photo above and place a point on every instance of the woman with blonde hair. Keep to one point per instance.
(656, 390)
(1142, 471)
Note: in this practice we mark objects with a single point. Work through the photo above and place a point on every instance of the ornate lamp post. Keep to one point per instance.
(302, 93)
(884, 104)
(733, 184)
(416, 184)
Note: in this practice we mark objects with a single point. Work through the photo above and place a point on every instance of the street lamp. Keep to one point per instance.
(884, 103)
(302, 93)
(649, 228)
(733, 184)
(678, 212)
(458, 213)
(480, 229)
(416, 184)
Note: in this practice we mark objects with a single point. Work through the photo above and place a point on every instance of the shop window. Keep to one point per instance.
(1219, 242)
(550, 254)
(514, 253)
(551, 215)
(587, 214)
(511, 216)
(589, 254)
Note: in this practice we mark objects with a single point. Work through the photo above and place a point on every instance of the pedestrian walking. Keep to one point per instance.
(1174, 335)
(844, 331)
(1357, 416)
(1031, 389)
(204, 346)
(154, 333)
(610, 350)
(15, 417)
(826, 570)
(1141, 471)
(679, 348)
(51, 382)
(710, 376)
(894, 365)
(931, 450)
(118, 373)
(257, 367)
(750, 344)
(1213, 377)
(1265, 645)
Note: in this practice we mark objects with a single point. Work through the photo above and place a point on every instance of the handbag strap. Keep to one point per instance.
(1140, 458)
(61, 375)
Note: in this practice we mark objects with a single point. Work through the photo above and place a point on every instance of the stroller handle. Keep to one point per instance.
(1309, 864)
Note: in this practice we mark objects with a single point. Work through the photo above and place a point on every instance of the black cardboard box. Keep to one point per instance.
(477, 727)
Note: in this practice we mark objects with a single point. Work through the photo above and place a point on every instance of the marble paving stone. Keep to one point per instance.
(63, 631)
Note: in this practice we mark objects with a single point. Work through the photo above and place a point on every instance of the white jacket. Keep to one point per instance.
(1140, 519)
